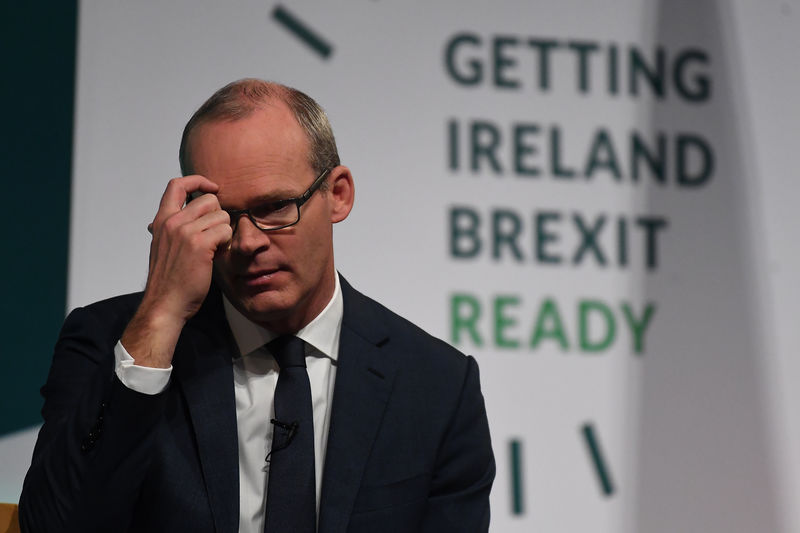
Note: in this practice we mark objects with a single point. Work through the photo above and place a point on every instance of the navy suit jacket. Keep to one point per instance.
(408, 448)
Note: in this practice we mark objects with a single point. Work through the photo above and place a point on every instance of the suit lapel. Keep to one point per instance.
(205, 375)
(364, 379)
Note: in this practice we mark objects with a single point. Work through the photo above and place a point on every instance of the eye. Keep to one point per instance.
(274, 210)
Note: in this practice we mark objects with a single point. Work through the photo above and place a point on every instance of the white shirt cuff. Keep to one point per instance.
(144, 379)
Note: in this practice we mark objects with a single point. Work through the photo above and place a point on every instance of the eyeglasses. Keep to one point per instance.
(277, 215)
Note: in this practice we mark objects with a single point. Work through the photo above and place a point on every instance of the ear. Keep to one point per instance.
(342, 193)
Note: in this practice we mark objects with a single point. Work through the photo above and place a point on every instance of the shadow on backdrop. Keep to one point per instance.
(704, 455)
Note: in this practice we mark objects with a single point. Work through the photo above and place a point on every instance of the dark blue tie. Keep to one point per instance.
(291, 492)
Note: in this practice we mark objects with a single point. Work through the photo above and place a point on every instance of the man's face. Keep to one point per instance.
(280, 279)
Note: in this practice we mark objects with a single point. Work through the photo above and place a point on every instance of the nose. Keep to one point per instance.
(247, 237)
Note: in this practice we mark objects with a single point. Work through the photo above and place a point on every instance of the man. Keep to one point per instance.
(182, 408)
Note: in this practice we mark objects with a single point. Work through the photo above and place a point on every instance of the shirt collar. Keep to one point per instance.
(322, 333)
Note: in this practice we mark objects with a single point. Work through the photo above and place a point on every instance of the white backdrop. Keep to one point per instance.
(697, 427)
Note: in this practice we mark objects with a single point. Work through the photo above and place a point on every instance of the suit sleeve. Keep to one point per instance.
(465, 467)
(92, 451)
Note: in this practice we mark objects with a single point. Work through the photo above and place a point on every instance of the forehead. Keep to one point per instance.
(263, 154)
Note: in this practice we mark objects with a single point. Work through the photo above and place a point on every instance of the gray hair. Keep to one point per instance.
(241, 98)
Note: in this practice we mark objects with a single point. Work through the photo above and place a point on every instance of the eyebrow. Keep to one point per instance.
(275, 196)
(268, 198)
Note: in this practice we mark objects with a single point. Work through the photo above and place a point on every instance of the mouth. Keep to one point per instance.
(261, 278)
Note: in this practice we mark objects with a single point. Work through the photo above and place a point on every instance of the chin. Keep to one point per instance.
(275, 306)
(266, 306)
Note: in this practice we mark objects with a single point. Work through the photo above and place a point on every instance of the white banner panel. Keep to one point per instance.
(570, 191)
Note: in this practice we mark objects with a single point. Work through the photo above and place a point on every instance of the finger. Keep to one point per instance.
(208, 221)
(215, 238)
(201, 205)
(221, 235)
(198, 215)
(192, 220)
(174, 196)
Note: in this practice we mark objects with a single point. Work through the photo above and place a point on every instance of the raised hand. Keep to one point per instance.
(185, 241)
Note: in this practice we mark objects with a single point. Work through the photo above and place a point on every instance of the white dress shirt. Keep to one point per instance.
(255, 375)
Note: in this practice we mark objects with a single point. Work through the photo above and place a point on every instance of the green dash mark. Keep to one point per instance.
(597, 459)
(303, 32)
(516, 477)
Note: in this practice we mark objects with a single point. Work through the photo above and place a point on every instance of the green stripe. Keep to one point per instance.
(38, 89)
(303, 32)
(597, 459)
(516, 478)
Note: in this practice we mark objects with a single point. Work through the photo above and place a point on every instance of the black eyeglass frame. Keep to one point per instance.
(298, 201)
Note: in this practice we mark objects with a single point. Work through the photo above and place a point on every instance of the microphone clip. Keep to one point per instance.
(282, 439)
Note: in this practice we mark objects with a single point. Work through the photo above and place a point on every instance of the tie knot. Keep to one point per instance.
(289, 351)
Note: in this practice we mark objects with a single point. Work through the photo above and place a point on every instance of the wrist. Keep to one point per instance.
(151, 336)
